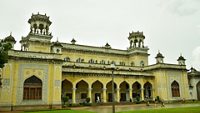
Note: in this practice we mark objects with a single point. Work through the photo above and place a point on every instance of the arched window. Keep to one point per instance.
(32, 89)
(132, 64)
(122, 63)
(67, 59)
(102, 62)
(175, 89)
(113, 62)
(142, 63)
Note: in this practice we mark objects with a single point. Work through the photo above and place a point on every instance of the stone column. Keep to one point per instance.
(118, 95)
(90, 94)
(104, 95)
(130, 94)
(142, 94)
(74, 95)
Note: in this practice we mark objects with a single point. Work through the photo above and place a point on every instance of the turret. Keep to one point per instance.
(159, 58)
(138, 53)
(136, 39)
(39, 37)
(39, 24)
(181, 60)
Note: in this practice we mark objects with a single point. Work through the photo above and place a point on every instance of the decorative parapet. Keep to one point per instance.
(165, 66)
(35, 55)
(37, 38)
(72, 67)
(138, 50)
(85, 48)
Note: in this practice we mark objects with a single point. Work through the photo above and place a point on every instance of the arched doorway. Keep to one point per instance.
(67, 89)
(109, 91)
(175, 89)
(32, 88)
(81, 91)
(136, 90)
(198, 90)
(97, 87)
(124, 91)
(148, 90)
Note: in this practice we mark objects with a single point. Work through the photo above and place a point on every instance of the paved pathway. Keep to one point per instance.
(108, 109)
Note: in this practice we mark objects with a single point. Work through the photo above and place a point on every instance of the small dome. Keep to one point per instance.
(159, 55)
(181, 58)
(57, 44)
(73, 41)
(10, 39)
(107, 45)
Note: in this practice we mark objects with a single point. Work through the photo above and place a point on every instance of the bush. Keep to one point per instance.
(87, 99)
(157, 99)
(65, 99)
(87, 104)
(137, 100)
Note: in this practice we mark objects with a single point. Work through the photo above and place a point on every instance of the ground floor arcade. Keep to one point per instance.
(99, 88)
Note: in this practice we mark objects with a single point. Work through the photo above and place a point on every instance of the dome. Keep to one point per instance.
(107, 45)
(39, 17)
(159, 55)
(73, 41)
(181, 58)
(57, 44)
(10, 39)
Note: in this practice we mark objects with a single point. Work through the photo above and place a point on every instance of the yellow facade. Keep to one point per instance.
(80, 71)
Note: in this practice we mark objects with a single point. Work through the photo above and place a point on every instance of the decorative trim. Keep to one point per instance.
(21, 79)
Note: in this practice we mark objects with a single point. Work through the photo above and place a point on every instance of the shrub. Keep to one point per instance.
(137, 100)
(87, 99)
(65, 99)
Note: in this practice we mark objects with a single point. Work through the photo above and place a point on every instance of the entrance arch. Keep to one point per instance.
(124, 91)
(198, 90)
(175, 89)
(67, 89)
(109, 91)
(148, 90)
(32, 88)
(97, 87)
(81, 91)
(136, 90)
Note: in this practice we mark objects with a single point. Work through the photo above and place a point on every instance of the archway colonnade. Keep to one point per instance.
(101, 91)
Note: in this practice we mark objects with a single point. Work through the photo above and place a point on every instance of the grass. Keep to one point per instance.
(167, 110)
(59, 111)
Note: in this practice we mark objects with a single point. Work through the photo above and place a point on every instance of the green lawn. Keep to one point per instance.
(167, 110)
(60, 111)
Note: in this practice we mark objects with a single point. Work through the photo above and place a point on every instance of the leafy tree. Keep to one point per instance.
(4, 47)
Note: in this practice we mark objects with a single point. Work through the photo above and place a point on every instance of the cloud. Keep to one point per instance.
(196, 57)
(182, 7)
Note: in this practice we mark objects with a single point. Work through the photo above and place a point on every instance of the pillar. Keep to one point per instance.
(74, 95)
(142, 93)
(130, 94)
(118, 95)
(104, 95)
(90, 93)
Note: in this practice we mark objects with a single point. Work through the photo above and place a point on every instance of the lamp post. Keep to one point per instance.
(113, 90)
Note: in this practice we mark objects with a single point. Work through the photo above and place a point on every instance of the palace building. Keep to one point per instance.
(43, 71)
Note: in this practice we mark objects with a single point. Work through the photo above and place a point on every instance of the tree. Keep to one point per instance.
(4, 48)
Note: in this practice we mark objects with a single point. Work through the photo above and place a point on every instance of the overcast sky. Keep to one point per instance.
(171, 26)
